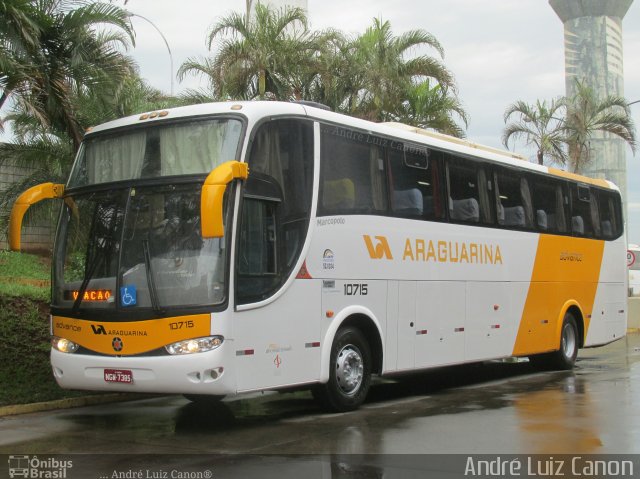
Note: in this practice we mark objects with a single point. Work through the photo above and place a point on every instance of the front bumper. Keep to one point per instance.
(200, 373)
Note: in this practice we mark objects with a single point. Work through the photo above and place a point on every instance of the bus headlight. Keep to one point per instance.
(198, 345)
(64, 345)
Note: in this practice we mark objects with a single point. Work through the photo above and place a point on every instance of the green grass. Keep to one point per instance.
(25, 370)
(24, 276)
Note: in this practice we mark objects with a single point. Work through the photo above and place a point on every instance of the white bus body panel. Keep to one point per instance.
(279, 344)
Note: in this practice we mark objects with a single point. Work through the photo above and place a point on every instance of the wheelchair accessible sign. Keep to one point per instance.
(128, 296)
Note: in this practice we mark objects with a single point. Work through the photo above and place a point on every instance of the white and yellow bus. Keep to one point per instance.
(218, 249)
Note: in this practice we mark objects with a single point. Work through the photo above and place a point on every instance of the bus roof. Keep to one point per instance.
(453, 139)
(256, 110)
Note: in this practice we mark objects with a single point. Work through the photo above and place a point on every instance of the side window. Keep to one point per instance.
(584, 212)
(283, 150)
(353, 177)
(416, 185)
(276, 206)
(513, 199)
(610, 213)
(468, 192)
(548, 201)
(257, 248)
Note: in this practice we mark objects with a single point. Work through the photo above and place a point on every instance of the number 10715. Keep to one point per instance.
(356, 289)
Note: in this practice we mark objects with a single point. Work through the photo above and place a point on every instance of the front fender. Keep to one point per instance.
(338, 320)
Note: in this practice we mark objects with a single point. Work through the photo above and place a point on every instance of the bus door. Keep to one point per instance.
(275, 320)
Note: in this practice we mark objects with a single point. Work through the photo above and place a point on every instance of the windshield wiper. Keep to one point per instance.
(151, 283)
(100, 253)
(85, 282)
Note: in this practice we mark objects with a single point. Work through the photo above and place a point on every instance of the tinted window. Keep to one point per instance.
(513, 199)
(468, 192)
(276, 207)
(610, 213)
(548, 204)
(415, 178)
(584, 212)
(353, 176)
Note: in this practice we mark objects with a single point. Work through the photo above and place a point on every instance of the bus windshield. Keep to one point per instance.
(137, 247)
(185, 148)
(137, 244)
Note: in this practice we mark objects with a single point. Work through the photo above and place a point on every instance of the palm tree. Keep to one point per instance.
(587, 115)
(199, 66)
(134, 96)
(332, 76)
(432, 107)
(59, 52)
(275, 56)
(256, 57)
(19, 34)
(387, 72)
(541, 125)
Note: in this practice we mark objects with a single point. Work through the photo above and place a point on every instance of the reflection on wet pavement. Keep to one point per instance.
(498, 407)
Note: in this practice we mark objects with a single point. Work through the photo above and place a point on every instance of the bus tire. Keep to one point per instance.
(349, 373)
(565, 357)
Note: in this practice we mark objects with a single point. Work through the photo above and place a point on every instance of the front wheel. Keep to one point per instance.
(565, 357)
(350, 373)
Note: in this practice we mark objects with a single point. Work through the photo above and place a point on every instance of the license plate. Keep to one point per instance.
(123, 376)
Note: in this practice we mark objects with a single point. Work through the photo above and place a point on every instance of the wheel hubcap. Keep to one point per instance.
(349, 370)
(568, 341)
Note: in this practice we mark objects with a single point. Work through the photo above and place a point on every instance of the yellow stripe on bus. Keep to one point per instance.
(135, 337)
(565, 273)
(576, 177)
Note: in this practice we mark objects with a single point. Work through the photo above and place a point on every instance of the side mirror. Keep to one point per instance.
(211, 217)
(44, 191)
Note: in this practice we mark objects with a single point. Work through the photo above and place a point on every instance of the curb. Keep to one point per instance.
(69, 403)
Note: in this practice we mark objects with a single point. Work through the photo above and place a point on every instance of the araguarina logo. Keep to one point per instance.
(380, 249)
(99, 329)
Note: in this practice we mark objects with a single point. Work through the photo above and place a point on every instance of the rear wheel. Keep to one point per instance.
(350, 372)
(565, 357)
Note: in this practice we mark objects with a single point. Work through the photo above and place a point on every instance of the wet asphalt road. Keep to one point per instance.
(494, 408)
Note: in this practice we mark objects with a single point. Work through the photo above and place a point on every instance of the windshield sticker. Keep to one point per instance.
(128, 295)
